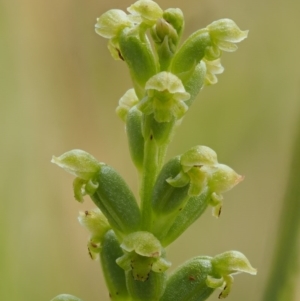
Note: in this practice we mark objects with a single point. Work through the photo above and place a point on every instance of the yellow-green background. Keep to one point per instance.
(59, 88)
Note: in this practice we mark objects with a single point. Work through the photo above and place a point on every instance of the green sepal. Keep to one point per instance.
(188, 282)
(78, 163)
(150, 290)
(113, 274)
(82, 165)
(135, 137)
(148, 11)
(193, 209)
(143, 243)
(65, 297)
(116, 201)
(225, 34)
(232, 262)
(190, 54)
(139, 58)
(111, 23)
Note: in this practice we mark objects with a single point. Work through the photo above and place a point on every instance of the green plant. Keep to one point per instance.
(131, 239)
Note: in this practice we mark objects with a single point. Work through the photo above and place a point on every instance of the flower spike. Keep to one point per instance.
(130, 235)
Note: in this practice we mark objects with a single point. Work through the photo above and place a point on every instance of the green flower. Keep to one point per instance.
(196, 165)
(96, 223)
(225, 34)
(224, 266)
(149, 11)
(222, 179)
(143, 253)
(126, 102)
(111, 23)
(165, 98)
(82, 165)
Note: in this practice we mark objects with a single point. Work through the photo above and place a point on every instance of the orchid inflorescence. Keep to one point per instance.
(129, 236)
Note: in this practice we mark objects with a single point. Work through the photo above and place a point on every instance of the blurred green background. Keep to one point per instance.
(59, 88)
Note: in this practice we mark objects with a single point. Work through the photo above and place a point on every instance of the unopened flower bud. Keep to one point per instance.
(174, 16)
(166, 39)
(142, 243)
(163, 29)
(232, 262)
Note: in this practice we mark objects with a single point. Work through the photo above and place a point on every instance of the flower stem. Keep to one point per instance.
(281, 284)
(150, 171)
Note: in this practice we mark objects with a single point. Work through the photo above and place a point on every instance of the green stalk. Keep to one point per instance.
(155, 148)
(161, 155)
(281, 284)
(150, 171)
